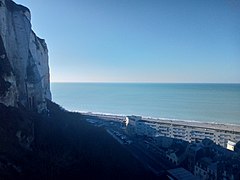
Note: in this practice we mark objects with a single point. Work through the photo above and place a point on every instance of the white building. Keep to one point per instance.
(231, 145)
(188, 131)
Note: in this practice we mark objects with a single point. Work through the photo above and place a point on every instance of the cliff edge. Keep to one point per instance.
(61, 144)
(24, 70)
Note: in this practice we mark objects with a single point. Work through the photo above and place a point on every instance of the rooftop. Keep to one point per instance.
(181, 173)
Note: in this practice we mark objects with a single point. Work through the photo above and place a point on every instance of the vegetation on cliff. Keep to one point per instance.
(64, 146)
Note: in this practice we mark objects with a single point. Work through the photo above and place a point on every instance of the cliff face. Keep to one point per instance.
(24, 70)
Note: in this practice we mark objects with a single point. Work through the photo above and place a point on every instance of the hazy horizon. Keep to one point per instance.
(140, 41)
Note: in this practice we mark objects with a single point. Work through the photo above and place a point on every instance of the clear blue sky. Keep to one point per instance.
(140, 40)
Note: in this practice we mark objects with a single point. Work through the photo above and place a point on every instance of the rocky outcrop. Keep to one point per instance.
(24, 70)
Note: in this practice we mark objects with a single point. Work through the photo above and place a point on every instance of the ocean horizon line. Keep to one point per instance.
(237, 83)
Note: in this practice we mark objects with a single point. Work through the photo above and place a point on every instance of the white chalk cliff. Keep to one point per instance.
(24, 70)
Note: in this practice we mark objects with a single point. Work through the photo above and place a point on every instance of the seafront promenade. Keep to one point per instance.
(214, 126)
(210, 125)
(225, 135)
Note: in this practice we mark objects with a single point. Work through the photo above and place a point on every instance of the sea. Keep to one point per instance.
(216, 103)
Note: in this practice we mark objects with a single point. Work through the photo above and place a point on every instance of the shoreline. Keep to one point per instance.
(189, 123)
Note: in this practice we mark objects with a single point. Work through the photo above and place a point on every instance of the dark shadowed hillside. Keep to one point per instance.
(64, 147)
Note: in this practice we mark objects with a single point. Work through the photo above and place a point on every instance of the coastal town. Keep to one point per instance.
(177, 149)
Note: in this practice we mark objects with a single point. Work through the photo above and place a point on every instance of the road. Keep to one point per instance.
(137, 148)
